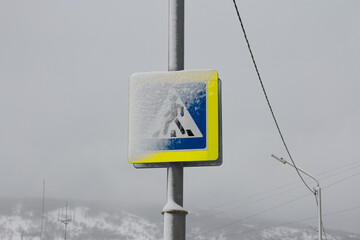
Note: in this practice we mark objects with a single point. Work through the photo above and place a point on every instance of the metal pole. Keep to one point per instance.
(176, 35)
(174, 214)
(326, 235)
(43, 212)
(317, 192)
(319, 212)
(66, 219)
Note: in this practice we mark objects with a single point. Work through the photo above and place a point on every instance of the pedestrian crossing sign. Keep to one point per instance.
(175, 117)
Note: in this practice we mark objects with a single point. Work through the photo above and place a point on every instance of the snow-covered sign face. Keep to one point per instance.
(174, 117)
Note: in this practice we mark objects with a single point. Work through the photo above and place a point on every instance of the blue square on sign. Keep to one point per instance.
(181, 121)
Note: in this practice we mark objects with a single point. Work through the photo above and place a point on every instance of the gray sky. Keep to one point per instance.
(64, 70)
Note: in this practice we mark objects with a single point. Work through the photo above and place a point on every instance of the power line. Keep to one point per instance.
(246, 204)
(296, 221)
(256, 214)
(270, 107)
(346, 170)
(274, 207)
(341, 180)
(267, 98)
(250, 196)
(279, 193)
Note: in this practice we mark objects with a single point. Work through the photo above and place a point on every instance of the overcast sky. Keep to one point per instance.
(64, 72)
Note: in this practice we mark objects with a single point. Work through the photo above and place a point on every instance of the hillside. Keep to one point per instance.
(21, 219)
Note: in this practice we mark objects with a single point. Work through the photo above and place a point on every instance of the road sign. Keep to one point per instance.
(175, 117)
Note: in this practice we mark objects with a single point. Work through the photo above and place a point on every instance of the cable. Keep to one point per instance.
(346, 170)
(256, 214)
(267, 99)
(275, 207)
(341, 180)
(245, 204)
(250, 196)
(341, 167)
(279, 193)
(296, 221)
(323, 229)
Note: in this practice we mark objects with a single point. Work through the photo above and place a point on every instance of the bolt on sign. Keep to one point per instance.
(175, 117)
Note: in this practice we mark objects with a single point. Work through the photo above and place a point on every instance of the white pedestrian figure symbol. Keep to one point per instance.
(172, 116)
(173, 120)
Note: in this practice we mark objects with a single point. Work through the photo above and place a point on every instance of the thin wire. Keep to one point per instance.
(267, 99)
(323, 229)
(275, 207)
(336, 170)
(243, 205)
(292, 222)
(250, 196)
(276, 194)
(254, 215)
(341, 180)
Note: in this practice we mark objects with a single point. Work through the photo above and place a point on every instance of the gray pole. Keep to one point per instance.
(176, 35)
(317, 192)
(319, 212)
(43, 212)
(66, 219)
(174, 214)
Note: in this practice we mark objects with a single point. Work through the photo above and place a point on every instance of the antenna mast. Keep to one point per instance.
(66, 220)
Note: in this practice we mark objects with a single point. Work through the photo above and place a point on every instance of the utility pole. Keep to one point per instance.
(326, 235)
(318, 195)
(174, 214)
(66, 220)
(43, 211)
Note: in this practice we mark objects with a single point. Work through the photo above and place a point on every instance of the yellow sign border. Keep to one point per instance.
(212, 151)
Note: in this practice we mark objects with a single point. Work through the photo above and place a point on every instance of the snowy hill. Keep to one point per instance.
(21, 222)
(21, 219)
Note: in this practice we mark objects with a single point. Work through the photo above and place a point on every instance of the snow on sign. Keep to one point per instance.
(173, 120)
(174, 117)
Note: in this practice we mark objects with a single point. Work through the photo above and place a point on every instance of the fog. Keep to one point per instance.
(64, 78)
